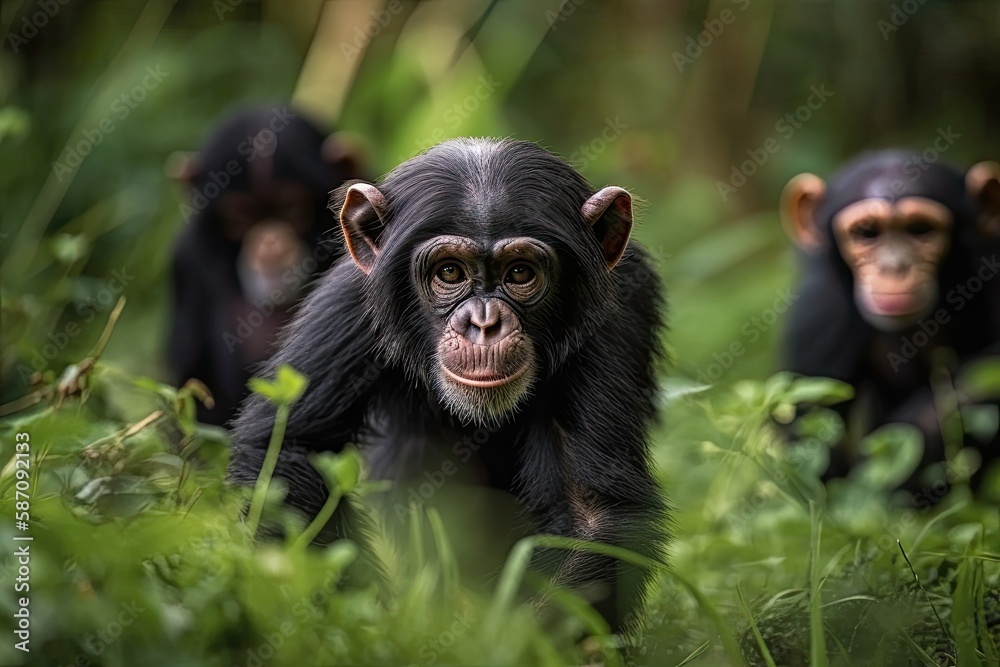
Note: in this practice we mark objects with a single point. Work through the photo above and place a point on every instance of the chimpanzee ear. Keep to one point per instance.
(983, 184)
(181, 166)
(362, 218)
(799, 202)
(345, 151)
(609, 214)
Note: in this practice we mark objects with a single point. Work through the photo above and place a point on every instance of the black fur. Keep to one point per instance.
(827, 336)
(206, 338)
(581, 438)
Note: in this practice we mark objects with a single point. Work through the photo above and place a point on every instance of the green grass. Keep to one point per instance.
(140, 553)
(766, 565)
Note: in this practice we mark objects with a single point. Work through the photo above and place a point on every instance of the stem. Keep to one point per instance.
(316, 525)
(267, 470)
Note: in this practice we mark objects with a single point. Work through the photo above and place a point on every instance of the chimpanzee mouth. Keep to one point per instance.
(895, 312)
(486, 381)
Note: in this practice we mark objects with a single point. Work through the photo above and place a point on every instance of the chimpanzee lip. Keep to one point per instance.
(894, 304)
(486, 383)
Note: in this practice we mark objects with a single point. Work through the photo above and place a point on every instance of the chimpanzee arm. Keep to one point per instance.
(589, 465)
(329, 341)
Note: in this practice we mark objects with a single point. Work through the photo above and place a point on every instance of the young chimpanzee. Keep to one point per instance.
(491, 292)
(259, 189)
(899, 283)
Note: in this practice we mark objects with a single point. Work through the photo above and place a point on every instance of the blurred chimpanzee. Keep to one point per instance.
(490, 288)
(899, 279)
(259, 189)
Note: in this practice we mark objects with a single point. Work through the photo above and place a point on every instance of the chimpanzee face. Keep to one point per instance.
(478, 292)
(293, 204)
(501, 256)
(894, 250)
(895, 226)
(271, 224)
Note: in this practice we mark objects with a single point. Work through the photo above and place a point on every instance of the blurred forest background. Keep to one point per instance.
(559, 73)
(674, 100)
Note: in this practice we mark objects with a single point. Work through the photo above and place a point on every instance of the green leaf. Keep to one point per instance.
(286, 388)
(963, 615)
(69, 248)
(340, 471)
(981, 379)
(818, 391)
(14, 122)
(892, 453)
(673, 388)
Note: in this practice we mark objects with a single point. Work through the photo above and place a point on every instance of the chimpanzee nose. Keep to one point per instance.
(483, 321)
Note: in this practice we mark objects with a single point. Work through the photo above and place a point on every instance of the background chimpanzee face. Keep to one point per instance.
(478, 293)
(270, 223)
(292, 203)
(894, 250)
(902, 237)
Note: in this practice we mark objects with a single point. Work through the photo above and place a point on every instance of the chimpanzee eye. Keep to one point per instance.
(920, 228)
(865, 232)
(450, 273)
(520, 274)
